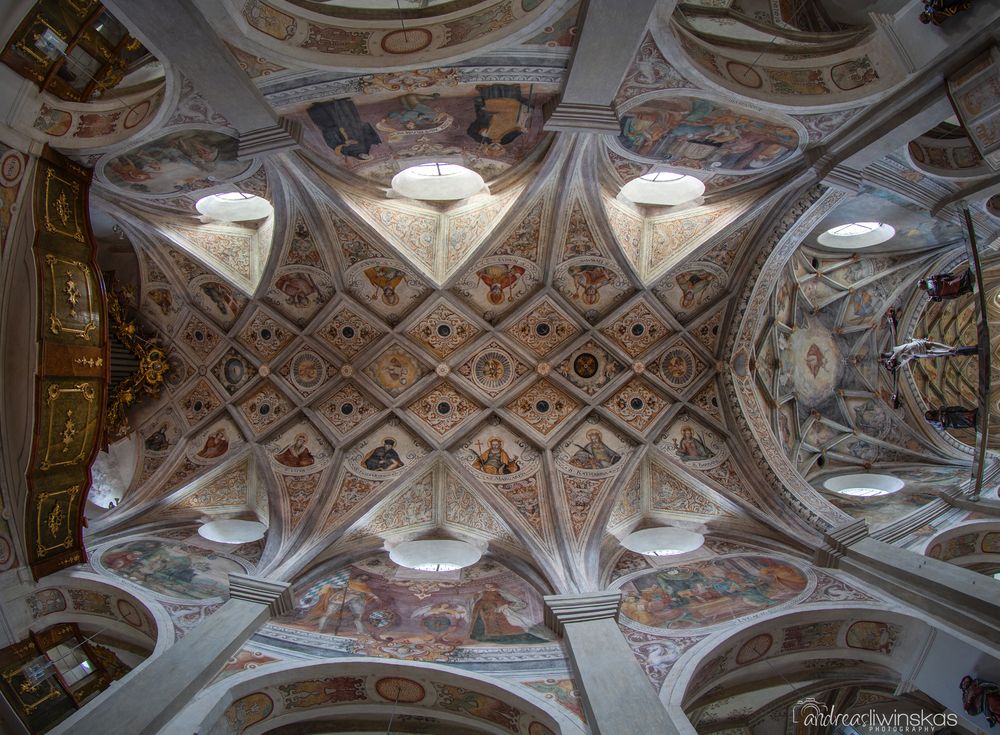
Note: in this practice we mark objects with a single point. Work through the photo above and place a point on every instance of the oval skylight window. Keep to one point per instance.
(232, 531)
(854, 235)
(663, 189)
(438, 182)
(435, 555)
(864, 485)
(663, 541)
(234, 206)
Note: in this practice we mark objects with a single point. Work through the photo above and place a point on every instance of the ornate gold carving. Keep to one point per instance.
(89, 361)
(65, 437)
(55, 519)
(74, 272)
(69, 430)
(50, 524)
(147, 378)
(64, 207)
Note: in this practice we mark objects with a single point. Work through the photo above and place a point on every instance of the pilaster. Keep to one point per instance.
(617, 696)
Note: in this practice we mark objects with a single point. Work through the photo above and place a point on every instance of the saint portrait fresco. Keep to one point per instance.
(595, 454)
(494, 460)
(299, 449)
(384, 457)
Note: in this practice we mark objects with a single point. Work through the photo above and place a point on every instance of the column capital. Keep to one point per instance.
(275, 594)
(563, 609)
(581, 117)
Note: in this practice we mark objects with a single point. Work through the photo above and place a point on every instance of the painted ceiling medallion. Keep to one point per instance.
(199, 337)
(396, 370)
(443, 330)
(263, 407)
(263, 336)
(199, 402)
(677, 366)
(349, 333)
(590, 367)
(543, 329)
(443, 408)
(637, 329)
(307, 371)
(347, 409)
(493, 370)
(543, 406)
(637, 404)
(233, 371)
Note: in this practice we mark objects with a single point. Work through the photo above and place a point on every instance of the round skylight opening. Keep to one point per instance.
(437, 182)
(234, 206)
(435, 555)
(855, 235)
(864, 485)
(232, 531)
(663, 189)
(663, 541)
(662, 176)
(438, 169)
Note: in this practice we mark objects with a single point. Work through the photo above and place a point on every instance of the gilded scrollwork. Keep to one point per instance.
(146, 379)
(63, 202)
(53, 511)
(69, 437)
(76, 290)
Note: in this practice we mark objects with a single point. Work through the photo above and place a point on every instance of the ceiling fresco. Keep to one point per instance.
(539, 369)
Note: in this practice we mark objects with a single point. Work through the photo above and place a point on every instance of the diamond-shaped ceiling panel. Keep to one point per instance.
(442, 330)
(444, 408)
(544, 328)
(543, 407)
(348, 332)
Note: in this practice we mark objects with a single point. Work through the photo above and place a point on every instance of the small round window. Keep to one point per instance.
(437, 181)
(864, 485)
(856, 235)
(663, 189)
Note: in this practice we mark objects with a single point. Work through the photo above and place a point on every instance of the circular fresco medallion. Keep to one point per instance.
(586, 365)
(493, 370)
(397, 689)
(677, 367)
(754, 648)
(308, 371)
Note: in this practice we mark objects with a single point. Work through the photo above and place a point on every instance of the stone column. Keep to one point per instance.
(143, 703)
(611, 33)
(617, 696)
(177, 31)
(965, 599)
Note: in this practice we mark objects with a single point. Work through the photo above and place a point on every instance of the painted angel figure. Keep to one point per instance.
(919, 349)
